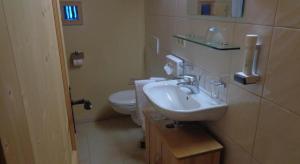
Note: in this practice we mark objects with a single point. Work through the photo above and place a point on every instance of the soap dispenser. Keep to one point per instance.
(174, 66)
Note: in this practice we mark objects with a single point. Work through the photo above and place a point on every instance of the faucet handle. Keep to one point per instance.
(217, 83)
(192, 79)
(189, 78)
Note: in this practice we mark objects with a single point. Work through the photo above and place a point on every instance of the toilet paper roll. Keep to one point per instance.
(168, 69)
(77, 62)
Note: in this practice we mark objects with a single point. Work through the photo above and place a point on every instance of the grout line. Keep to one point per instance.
(224, 21)
(241, 87)
(266, 99)
(268, 62)
(256, 127)
(261, 97)
(89, 149)
(231, 140)
(276, 13)
(284, 109)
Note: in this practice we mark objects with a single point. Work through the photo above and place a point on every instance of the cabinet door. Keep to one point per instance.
(155, 146)
(168, 157)
(208, 158)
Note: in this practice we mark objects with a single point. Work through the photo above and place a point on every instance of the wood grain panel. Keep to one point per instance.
(147, 140)
(14, 131)
(207, 158)
(33, 117)
(155, 146)
(178, 145)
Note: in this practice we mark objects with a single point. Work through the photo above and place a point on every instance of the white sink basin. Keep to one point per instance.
(178, 104)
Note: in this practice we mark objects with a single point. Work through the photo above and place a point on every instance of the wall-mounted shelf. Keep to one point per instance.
(203, 42)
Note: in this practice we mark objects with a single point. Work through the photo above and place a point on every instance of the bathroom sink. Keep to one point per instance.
(177, 103)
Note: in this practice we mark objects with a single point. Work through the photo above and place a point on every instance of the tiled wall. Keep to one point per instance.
(112, 38)
(262, 124)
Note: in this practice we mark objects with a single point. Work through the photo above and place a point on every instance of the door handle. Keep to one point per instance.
(86, 103)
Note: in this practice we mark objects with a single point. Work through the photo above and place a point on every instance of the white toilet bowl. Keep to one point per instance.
(124, 102)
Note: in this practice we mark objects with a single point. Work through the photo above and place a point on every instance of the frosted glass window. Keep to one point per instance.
(71, 12)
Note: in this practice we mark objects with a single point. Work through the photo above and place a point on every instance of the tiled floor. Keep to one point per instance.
(114, 141)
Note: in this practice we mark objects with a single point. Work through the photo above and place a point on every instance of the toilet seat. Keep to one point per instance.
(123, 98)
(123, 102)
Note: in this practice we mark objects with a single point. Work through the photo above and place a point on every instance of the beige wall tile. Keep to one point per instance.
(265, 35)
(182, 26)
(163, 28)
(217, 62)
(154, 64)
(282, 82)
(163, 7)
(166, 30)
(200, 27)
(288, 13)
(150, 7)
(277, 140)
(181, 8)
(233, 153)
(260, 12)
(240, 119)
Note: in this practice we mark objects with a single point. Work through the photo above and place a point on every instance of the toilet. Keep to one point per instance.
(124, 102)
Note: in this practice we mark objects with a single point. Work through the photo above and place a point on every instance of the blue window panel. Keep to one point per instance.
(75, 11)
(71, 13)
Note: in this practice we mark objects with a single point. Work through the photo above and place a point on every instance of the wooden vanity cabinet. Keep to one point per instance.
(178, 145)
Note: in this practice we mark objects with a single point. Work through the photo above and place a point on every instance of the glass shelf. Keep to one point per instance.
(203, 42)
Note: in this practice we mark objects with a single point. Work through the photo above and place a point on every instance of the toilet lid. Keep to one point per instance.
(126, 97)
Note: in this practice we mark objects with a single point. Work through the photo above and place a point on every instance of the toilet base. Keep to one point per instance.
(128, 111)
(135, 118)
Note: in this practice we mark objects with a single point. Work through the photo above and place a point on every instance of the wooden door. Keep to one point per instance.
(65, 77)
(34, 125)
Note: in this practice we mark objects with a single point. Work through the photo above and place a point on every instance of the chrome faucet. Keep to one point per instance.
(191, 82)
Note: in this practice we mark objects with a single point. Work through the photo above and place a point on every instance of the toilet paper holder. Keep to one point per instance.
(77, 59)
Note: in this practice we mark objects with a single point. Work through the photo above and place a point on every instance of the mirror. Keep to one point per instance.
(217, 8)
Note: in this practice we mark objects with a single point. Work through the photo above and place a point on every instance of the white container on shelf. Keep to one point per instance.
(237, 8)
(250, 50)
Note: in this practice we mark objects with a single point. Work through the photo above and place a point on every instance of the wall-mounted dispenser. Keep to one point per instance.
(249, 75)
(174, 66)
(77, 59)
